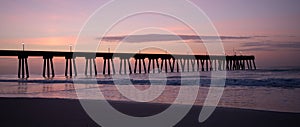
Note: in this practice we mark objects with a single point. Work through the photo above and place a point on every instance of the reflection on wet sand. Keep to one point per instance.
(265, 98)
(22, 87)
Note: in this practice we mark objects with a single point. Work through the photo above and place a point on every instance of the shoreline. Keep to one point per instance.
(68, 112)
(150, 103)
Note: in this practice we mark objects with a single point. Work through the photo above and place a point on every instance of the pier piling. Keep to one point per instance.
(91, 63)
(69, 60)
(124, 61)
(138, 63)
(48, 63)
(153, 61)
(23, 66)
(109, 63)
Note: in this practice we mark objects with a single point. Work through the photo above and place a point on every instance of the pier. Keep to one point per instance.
(143, 63)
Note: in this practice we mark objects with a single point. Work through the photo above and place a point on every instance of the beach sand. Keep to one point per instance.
(69, 113)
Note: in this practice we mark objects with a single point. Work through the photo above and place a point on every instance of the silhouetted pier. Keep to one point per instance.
(143, 63)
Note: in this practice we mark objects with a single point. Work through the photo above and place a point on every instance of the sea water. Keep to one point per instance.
(262, 89)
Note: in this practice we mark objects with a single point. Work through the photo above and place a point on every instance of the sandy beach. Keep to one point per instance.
(68, 112)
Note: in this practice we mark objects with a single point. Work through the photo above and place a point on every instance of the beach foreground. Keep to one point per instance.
(67, 112)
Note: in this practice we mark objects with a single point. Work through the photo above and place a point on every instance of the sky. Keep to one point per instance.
(268, 29)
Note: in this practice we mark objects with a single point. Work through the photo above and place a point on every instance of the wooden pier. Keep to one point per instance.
(162, 62)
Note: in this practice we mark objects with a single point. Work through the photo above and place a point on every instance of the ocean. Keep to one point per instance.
(261, 89)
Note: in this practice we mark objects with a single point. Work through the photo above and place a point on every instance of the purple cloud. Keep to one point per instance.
(166, 37)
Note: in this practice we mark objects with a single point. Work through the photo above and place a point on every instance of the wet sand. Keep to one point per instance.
(67, 112)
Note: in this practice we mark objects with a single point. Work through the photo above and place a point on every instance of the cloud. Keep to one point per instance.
(256, 49)
(166, 37)
(269, 46)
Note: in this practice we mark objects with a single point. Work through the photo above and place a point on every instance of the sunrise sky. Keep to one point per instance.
(268, 29)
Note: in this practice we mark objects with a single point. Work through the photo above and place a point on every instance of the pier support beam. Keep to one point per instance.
(48, 63)
(206, 63)
(254, 64)
(108, 61)
(164, 64)
(69, 61)
(198, 64)
(177, 65)
(154, 62)
(234, 66)
(238, 63)
(220, 63)
(138, 62)
(248, 66)
(172, 64)
(126, 62)
(23, 66)
(210, 64)
(182, 63)
(90, 63)
(193, 62)
(243, 64)
(202, 64)
(227, 64)
(224, 64)
(250, 63)
(190, 62)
